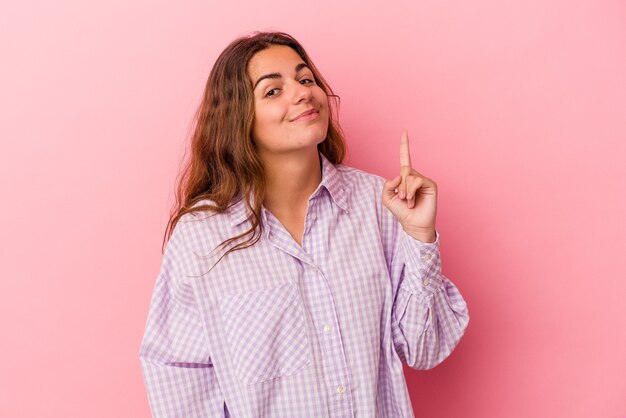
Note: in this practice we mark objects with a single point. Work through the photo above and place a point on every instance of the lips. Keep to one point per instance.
(305, 113)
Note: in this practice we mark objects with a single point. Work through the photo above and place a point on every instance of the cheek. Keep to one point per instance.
(266, 116)
(260, 120)
(321, 98)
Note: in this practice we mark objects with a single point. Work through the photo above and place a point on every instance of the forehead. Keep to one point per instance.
(275, 59)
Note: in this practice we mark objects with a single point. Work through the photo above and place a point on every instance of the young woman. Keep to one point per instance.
(292, 285)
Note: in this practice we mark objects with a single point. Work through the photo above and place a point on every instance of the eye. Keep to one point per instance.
(272, 94)
(307, 79)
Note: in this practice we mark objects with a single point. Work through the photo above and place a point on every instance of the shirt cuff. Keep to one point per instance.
(422, 264)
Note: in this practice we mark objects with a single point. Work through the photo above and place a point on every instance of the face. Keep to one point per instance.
(284, 89)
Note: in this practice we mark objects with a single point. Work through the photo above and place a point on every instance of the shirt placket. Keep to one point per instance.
(333, 356)
(318, 296)
(324, 313)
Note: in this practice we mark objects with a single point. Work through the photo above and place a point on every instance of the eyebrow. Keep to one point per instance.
(279, 75)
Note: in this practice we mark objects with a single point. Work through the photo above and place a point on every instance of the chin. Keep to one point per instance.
(308, 136)
(315, 139)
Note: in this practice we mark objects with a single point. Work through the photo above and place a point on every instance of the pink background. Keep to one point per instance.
(516, 108)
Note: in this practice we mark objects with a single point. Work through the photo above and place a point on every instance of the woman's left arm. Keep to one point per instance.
(429, 314)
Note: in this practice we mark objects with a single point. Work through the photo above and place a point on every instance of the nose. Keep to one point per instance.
(302, 92)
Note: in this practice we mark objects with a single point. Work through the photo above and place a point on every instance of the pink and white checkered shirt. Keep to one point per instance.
(283, 330)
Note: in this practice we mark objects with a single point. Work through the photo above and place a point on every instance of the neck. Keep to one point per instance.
(290, 179)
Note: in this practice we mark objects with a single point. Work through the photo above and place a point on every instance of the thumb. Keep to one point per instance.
(389, 188)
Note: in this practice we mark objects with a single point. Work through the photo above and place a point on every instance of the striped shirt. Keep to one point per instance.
(283, 330)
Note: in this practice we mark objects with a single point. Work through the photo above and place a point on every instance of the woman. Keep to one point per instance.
(291, 285)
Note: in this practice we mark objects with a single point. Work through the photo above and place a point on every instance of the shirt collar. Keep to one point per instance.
(332, 180)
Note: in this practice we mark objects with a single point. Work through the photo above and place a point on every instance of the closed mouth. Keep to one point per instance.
(306, 113)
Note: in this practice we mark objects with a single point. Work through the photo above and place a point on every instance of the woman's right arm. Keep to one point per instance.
(179, 377)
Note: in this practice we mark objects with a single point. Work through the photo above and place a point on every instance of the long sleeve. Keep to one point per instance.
(179, 377)
(429, 315)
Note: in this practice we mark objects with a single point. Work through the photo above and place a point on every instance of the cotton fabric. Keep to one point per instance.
(283, 330)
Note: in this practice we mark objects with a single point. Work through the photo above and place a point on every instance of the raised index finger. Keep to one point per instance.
(405, 156)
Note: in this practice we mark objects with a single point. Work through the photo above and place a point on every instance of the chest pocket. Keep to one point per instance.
(266, 333)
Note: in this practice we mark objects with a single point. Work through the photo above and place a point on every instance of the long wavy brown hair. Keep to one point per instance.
(224, 165)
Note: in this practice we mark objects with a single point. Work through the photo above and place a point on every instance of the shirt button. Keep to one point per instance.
(314, 269)
(340, 389)
(326, 328)
(313, 216)
(426, 281)
(427, 257)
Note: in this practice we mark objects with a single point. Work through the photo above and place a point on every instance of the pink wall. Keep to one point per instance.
(516, 109)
